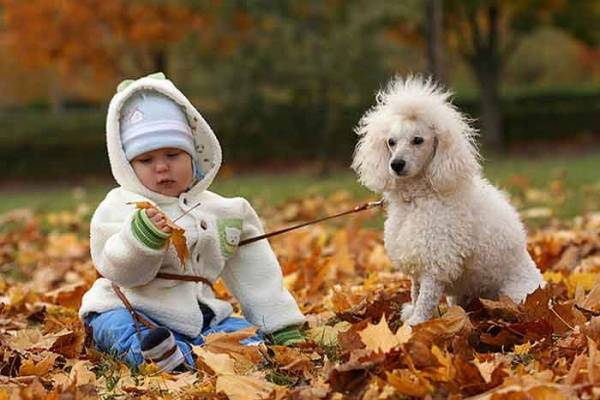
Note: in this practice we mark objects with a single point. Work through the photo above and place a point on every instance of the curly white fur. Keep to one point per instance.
(447, 226)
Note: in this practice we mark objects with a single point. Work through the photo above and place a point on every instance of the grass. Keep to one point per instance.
(577, 189)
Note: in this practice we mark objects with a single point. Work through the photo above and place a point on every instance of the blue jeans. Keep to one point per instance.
(114, 333)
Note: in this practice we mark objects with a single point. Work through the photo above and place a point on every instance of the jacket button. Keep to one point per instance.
(185, 201)
(203, 224)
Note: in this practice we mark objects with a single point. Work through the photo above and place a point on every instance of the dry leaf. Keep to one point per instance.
(229, 343)
(238, 387)
(409, 383)
(219, 363)
(327, 335)
(379, 337)
(450, 324)
(33, 339)
(38, 367)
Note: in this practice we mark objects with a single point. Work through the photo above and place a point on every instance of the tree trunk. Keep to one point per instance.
(486, 62)
(488, 81)
(56, 95)
(160, 61)
(435, 45)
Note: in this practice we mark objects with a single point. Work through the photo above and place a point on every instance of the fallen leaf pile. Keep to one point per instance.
(357, 346)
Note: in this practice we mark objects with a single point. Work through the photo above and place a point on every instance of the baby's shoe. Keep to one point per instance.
(159, 347)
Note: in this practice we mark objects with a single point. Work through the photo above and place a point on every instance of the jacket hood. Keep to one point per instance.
(208, 150)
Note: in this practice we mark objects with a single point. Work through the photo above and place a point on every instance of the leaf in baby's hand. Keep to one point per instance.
(142, 204)
(177, 237)
(178, 240)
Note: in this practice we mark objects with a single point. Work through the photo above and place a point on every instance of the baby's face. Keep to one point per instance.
(166, 171)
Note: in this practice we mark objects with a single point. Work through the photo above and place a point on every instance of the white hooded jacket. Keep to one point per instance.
(213, 230)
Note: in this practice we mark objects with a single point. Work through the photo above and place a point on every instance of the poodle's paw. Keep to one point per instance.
(407, 311)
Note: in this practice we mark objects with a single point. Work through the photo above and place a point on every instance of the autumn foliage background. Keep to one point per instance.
(283, 84)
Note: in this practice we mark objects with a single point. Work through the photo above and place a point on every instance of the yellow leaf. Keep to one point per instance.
(585, 279)
(29, 339)
(522, 348)
(328, 335)
(404, 333)
(238, 387)
(219, 363)
(553, 277)
(379, 337)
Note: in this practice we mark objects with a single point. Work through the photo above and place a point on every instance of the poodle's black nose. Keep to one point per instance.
(398, 165)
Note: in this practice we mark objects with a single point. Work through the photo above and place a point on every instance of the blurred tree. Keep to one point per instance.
(104, 38)
(310, 55)
(434, 28)
(486, 32)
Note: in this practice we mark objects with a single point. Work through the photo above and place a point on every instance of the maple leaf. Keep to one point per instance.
(177, 238)
(380, 338)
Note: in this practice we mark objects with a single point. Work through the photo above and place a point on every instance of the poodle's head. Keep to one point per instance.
(412, 133)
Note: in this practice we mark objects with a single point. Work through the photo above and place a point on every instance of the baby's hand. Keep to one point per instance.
(158, 219)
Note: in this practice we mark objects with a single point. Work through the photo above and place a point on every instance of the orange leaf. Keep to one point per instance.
(178, 240)
(38, 367)
(142, 204)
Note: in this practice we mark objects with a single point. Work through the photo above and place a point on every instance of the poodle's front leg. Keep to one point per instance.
(430, 293)
(408, 308)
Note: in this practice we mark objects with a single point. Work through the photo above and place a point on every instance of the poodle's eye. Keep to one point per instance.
(391, 142)
(417, 140)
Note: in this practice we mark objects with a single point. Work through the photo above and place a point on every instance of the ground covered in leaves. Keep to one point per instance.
(357, 346)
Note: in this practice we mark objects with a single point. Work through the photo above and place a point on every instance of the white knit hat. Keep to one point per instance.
(149, 121)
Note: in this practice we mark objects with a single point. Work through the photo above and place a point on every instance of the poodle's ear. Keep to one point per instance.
(371, 157)
(455, 160)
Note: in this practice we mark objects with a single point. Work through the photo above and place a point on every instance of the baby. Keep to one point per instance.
(162, 151)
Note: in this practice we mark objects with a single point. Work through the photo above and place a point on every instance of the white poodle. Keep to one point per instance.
(447, 226)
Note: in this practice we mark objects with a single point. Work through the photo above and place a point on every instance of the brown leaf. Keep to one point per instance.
(504, 308)
(592, 300)
(229, 343)
(455, 321)
(592, 328)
